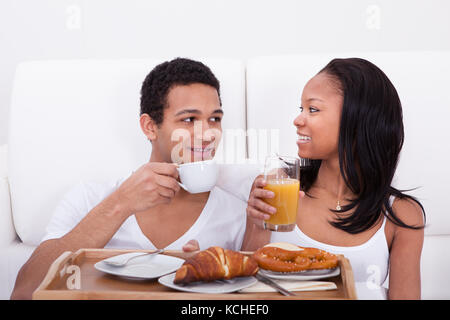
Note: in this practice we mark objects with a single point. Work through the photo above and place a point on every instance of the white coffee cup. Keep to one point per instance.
(199, 176)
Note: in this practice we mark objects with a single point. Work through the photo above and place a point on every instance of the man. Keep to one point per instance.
(148, 210)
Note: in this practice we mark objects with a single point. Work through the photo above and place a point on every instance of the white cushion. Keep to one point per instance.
(3, 160)
(435, 263)
(7, 232)
(275, 84)
(79, 120)
(12, 258)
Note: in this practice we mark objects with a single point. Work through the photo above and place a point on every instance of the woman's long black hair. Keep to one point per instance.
(370, 140)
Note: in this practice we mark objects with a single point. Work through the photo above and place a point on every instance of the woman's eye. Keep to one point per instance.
(311, 109)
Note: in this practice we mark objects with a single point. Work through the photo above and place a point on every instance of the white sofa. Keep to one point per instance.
(78, 120)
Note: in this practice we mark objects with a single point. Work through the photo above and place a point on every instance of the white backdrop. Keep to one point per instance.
(60, 29)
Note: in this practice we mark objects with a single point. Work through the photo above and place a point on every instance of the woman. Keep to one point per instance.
(350, 126)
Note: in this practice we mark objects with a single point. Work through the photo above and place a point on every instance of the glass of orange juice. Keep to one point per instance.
(282, 175)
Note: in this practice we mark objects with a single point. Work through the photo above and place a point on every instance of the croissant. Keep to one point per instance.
(215, 263)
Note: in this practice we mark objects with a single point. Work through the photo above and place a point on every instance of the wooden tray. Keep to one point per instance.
(58, 283)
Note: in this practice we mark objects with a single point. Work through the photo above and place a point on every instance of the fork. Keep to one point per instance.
(125, 262)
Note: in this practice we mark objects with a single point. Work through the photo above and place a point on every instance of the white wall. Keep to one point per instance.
(62, 29)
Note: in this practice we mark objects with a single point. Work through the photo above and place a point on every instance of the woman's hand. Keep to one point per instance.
(257, 208)
(258, 211)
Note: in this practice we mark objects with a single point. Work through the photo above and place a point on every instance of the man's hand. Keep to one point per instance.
(191, 245)
(152, 184)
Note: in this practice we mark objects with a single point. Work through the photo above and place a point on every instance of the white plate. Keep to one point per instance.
(218, 286)
(145, 267)
(303, 275)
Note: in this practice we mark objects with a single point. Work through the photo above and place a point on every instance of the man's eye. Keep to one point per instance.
(190, 119)
(216, 119)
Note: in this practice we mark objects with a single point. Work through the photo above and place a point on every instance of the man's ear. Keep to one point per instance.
(148, 126)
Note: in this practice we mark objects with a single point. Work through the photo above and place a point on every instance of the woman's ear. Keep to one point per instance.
(148, 126)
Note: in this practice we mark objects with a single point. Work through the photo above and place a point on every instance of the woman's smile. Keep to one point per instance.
(302, 139)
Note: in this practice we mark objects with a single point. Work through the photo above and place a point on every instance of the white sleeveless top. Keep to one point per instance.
(369, 261)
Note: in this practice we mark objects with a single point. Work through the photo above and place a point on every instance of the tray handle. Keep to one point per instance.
(348, 281)
(57, 270)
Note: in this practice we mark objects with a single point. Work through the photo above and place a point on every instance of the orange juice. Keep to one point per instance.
(285, 200)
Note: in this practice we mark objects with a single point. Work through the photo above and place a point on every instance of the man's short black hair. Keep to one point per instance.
(163, 77)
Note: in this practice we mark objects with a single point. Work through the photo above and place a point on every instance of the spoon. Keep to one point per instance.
(124, 262)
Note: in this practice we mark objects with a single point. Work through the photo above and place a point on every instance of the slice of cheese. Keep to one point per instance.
(285, 246)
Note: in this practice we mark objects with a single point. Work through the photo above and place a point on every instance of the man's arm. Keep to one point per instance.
(150, 185)
(94, 231)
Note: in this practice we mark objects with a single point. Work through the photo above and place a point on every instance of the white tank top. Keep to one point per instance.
(369, 261)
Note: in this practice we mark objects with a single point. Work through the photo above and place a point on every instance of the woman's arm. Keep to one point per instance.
(257, 211)
(406, 249)
(255, 236)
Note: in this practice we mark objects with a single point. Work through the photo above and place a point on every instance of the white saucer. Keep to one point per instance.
(143, 268)
(303, 275)
(218, 286)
